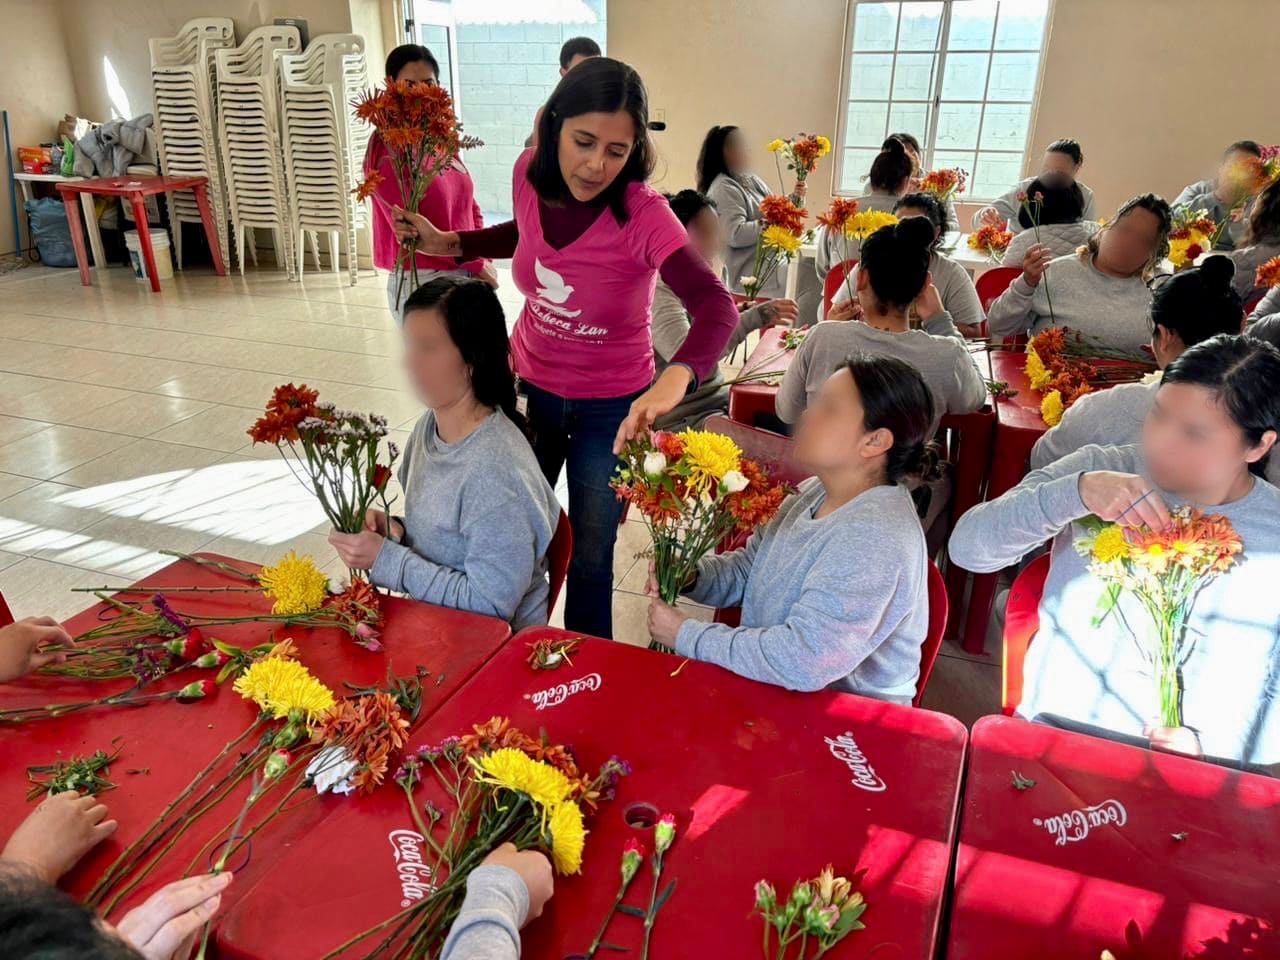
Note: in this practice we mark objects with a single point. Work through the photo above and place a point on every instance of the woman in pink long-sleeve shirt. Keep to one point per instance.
(449, 200)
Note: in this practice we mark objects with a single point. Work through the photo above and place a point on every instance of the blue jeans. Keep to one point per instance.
(580, 433)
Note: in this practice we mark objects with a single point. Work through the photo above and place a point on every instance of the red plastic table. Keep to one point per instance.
(173, 741)
(746, 400)
(135, 189)
(1087, 859)
(759, 778)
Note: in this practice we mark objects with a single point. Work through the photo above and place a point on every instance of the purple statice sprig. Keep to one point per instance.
(168, 613)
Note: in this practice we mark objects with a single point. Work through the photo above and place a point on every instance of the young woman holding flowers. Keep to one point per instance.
(1261, 241)
(1204, 444)
(834, 589)
(889, 181)
(1058, 222)
(1100, 291)
(1062, 160)
(589, 239)
(448, 202)
(479, 515)
(1216, 196)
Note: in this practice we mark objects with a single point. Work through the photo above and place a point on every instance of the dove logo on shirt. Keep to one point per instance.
(553, 292)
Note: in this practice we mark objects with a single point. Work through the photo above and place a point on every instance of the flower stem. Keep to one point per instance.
(652, 913)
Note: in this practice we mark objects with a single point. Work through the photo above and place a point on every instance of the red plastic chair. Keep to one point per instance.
(993, 283)
(938, 609)
(6, 615)
(1252, 303)
(770, 450)
(558, 554)
(1021, 621)
(833, 281)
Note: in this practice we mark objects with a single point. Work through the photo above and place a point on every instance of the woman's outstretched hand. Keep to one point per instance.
(414, 228)
(663, 397)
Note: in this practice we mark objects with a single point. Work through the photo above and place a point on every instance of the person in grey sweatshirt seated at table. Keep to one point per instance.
(1204, 444)
(1100, 291)
(1260, 243)
(1062, 159)
(508, 890)
(479, 516)
(912, 146)
(1055, 221)
(1215, 196)
(833, 590)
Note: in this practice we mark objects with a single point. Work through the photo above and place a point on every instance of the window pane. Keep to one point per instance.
(436, 39)
(921, 26)
(1013, 76)
(874, 26)
(995, 174)
(864, 124)
(1021, 24)
(965, 76)
(971, 25)
(869, 76)
(1005, 126)
(855, 167)
(912, 118)
(952, 158)
(913, 79)
(958, 126)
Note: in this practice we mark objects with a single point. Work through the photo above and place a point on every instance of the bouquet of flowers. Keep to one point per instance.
(847, 227)
(423, 137)
(802, 154)
(1165, 572)
(782, 232)
(819, 914)
(1063, 366)
(1268, 274)
(991, 240)
(1243, 181)
(945, 184)
(1192, 235)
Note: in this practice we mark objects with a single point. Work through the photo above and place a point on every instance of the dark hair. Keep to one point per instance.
(1157, 207)
(408, 53)
(711, 161)
(687, 204)
(891, 166)
(1068, 147)
(1198, 303)
(1243, 373)
(906, 139)
(39, 920)
(598, 85)
(1264, 217)
(896, 261)
(478, 328)
(578, 47)
(896, 398)
(934, 209)
(1060, 202)
(1243, 146)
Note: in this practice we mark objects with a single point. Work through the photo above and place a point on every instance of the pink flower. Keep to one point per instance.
(632, 857)
(1022, 196)
(277, 764)
(1039, 197)
(664, 833)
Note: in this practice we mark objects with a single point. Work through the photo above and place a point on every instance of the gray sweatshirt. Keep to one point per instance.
(1247, 261)
(737, 202)
(839, 602)
(1113, 310)
(479, 517)
(671, 326)
(1199, 196)
(946, 365)
(1008, 205)
(955, 290)
(488, 925)
(1269, 305)
(1061, 238)
(1096, 675)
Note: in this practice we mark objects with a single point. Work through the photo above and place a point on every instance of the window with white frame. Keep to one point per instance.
(960, 75)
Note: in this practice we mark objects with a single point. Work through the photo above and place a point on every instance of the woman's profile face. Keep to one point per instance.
(832, 428)
(737, 155)
(436, 369)
(417, 71)
(1191, 442)
(593, 149)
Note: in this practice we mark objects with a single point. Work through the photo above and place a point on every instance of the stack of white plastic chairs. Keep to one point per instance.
(183, 84)
(248, 88)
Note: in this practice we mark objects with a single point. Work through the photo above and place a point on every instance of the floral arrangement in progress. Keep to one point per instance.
(1165, 571)
(1034, 205)
(802, 154)
(817, 915)
(1063, 366)
(991, 240)
(782, 232)
(1191, 237)
(945, 184)
(847, 227)
(423, 137)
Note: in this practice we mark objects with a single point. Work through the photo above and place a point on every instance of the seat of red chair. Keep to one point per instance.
(1021, 621)
(993, 283)
(833, 281)
(558, 554)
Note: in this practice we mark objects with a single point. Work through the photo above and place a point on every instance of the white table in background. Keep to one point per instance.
(25, 180)
(809, 252)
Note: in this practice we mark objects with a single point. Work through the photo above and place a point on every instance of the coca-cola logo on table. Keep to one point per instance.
(414, 874)
(1074, 825)
(554, 696)
(845, 749)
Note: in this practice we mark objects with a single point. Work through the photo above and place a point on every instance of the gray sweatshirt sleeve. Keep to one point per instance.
(1090, 204)
(722, 577)
(961, 300)
(1083, 423)
(1006, 205)
(793, 394)
(740, 230)
(488, 925)
(1014, 311)
(969, 391)
(1267, 306)
(942, 325)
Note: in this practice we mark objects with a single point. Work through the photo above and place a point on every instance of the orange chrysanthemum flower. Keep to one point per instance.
(288, 407)
(779, 211)
(1268, 274)
(371, 729)
(838, 214)
(369, 186)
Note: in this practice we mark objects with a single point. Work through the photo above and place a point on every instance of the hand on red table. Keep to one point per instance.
(378, 521)
(533, 868)
(845, 310)
(166, 926)
(1173, 740)
(1123, 498)
(61, 830)
(23, 646)
(1035, 263)
(780, 313)
(357, 550)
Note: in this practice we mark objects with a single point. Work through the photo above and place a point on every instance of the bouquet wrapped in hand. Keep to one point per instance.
(802, 154)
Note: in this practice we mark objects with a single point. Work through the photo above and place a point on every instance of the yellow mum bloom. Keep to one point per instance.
(295, 584)
(824, 146)
(709, 456)
(515, 770)
(776, 145)
(1051, 408)
(1036, 371)
(780, 238)
(568, 837)
(279, 685)
(1110, 545)
(864, 224)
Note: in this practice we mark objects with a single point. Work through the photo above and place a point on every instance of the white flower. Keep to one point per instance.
(748, 281)
(654, 463)
(1154, 377)
(331, 770)
(734, 482)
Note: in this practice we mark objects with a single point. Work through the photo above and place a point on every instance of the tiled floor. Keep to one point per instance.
(122, 433)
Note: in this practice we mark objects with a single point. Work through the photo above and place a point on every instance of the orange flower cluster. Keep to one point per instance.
(944, 184)
(1201, 544)
(838, 215)
(498, 734)
(371, 729)
(757, 504)
(807, 150)
(990, 238)
(369, 186)
(1071, 377)
(779, 211)
(408, 114)
(288, 407)
(359, 608)
(1268, 274)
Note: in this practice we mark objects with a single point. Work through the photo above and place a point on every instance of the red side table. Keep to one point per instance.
(136, 189)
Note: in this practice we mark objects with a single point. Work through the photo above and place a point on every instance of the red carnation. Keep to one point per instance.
(197, 690)
(381, 475)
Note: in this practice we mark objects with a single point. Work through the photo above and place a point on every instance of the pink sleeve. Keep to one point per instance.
(655, 232)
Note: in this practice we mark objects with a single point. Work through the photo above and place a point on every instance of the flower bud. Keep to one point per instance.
(287, 735)
(766, 896)
(664, 833)
(802, 894)
(197, 690)
(733, 482)
(819, 920)
(212, 659)
(654, 463)
(632, 857)
(277, 764)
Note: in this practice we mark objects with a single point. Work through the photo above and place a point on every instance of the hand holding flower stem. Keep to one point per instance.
(1032, 206)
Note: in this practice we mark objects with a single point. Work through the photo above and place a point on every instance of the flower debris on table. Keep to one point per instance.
(81, 774)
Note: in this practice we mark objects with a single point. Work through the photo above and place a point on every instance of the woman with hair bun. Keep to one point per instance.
(834, 590)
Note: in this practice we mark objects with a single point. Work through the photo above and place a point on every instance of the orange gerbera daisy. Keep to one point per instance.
(838, 214)
(288, 407)
(1268, 274)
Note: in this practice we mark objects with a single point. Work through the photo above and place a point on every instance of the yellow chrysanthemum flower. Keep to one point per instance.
(864, 224)
(824, 146)
(515, 770)
(568, 837)
(279, 685)
(1051, 408)
(295, 584)
(709, 456)
(776, 145)
(780, 238)
(1110, 545)
(1037, 373)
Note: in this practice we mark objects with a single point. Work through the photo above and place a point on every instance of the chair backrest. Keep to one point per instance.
(6, 615)
(938, 609)
(558, 554)
(993, 283)
(1021, 621)
(833, 281)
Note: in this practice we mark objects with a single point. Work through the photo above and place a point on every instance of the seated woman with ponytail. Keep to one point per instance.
(479, 515)
(834, 590)
(891, 177)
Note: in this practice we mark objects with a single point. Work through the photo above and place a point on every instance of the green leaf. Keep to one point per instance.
(662, 897)
(1106, 603)
(229, 649)
(606, 945)
(631, 911)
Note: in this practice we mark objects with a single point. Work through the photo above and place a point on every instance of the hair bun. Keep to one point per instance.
(1217, 272)
(916, 231)
(895, 146)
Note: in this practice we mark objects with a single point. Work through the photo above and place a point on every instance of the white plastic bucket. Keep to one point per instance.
(159, 249)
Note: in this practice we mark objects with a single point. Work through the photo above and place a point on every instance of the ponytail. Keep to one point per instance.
(891, 166)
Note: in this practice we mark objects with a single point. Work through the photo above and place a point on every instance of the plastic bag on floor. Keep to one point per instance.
(51, 232)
